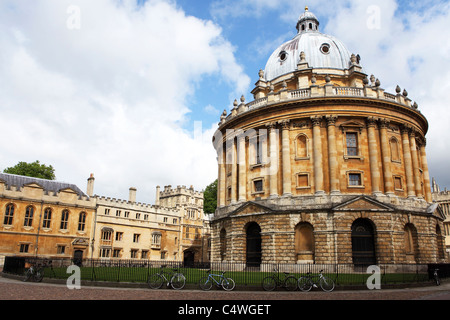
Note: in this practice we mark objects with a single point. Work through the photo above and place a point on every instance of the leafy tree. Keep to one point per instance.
(210, 198)
(34, 169)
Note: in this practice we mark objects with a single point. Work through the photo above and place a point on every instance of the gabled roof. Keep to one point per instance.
(47, 185)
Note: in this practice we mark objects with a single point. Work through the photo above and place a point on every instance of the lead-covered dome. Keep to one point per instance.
(321, 50)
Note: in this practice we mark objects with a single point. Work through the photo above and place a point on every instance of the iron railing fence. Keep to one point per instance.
(138, 271)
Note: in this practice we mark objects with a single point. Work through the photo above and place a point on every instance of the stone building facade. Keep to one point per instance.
(323, 166)
(44, 218)
(442, 198)
(51, 219)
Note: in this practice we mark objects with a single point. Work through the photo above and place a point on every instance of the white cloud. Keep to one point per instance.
(109, 97)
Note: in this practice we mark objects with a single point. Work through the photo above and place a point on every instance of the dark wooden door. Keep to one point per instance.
(363, 243)
(253, 245)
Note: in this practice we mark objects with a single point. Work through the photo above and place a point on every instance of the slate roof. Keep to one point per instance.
(48, 185)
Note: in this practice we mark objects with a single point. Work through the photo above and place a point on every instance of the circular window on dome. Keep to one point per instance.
(325, 48)
(283, 56)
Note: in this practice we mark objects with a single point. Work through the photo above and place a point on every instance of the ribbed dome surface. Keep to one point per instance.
(321, 50)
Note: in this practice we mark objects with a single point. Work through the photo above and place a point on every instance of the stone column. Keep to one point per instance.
(426, 173)
(332, 155)
(221, 183)
(415, 163)
(373, 155)
(231, 145)
(408, 161)
(286, 154)
(385, 154)
(273, 154)
(317, 154)
(242, 168)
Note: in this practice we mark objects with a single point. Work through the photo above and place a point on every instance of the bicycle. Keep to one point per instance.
(273, 281)
(207, 282)
(436, 277)
(177, 280)
(35, 272)
(306, 283)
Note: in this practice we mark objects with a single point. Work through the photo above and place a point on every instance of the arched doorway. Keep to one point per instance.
(363, 243)
(253, 252)
(188, 258)
(78, 258)
(304, 243)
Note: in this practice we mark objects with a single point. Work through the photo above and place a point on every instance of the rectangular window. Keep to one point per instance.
(136, 237)
(61, 249)
(258, 186)
(352, 143)
(24, 247)
(398, 183)
(133, 253)
(105, 253)
(119, 236)
(354, 179)
(302, 180)
(116, 253)
(144, 254)
(118, 213)
(107, 212)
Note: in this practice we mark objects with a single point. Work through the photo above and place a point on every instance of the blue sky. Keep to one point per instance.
(116, 88)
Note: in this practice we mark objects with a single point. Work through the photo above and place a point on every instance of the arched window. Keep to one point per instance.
(64, 220)
(46, 221)
(395, 152)
(29, 212)
(9, 214)
(301, 146)
(411, 247)
(82, 221)
(304, 243)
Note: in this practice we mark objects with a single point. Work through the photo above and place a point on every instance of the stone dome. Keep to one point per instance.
(320, 50)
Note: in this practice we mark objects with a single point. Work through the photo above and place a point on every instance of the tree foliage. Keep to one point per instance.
(210, 198)
(34, 169)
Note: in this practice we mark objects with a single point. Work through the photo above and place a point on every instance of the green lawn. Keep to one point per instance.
(193, 275)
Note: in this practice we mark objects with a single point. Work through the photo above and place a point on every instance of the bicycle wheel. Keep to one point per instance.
(326, 284)
(155, 281)
(305, 284)
(290, 283)
(27, 275)
(228, 284)
(269, 283)
(205, 283)
(178, 281)
(39, 275)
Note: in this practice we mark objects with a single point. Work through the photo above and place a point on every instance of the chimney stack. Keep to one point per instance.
(132, 196)
(157, 196)
(90, 185)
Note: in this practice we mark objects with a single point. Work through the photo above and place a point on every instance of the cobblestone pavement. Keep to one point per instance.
(216, 304)
(12, 289)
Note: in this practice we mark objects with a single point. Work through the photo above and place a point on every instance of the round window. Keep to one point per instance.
(283, 55)
(325, 48)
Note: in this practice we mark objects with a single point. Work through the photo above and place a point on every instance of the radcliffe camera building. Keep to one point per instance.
(323, 166)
